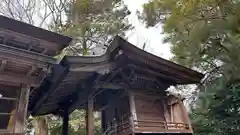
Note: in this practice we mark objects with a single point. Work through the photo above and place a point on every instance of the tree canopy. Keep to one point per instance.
(205, 35)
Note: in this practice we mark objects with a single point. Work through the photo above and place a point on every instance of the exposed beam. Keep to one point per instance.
(8, 98)
(108, 86)
(153, 73)
(60, 72)
(165, 68)
(3, 65)
(19, 79)
(25, 54)
(91, 68)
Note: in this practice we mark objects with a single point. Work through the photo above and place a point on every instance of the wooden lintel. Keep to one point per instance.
(3, 64)
(152, 96)
(30, 72)
(98, 67)
(109, 86)
(19, 79)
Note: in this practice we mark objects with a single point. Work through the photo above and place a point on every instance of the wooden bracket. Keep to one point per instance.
(3, 65)
(31, 71)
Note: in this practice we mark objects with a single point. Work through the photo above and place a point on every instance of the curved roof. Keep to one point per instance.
(122, 66)
(23, 32)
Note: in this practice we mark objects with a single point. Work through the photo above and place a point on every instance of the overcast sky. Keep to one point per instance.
(152, 36)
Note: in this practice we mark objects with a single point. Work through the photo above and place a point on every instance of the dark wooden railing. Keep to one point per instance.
(161, 124)
(126, 123)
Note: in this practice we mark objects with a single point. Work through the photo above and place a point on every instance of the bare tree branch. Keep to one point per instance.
(36, 12)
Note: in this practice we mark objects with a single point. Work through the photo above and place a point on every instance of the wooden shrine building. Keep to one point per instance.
(126, 84)
(26, 58)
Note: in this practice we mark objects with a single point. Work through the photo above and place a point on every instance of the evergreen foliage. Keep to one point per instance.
(205, 34)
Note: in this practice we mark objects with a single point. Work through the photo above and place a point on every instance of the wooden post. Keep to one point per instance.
(172, 112)
(21, 112)
(103, 121)
(133, 111)
(185, 115)
(166, 113)
(89, 116)
(65, 122)
(86, 118)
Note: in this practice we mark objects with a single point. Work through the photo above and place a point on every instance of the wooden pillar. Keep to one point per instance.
(132, 106)
(89, 117)
(172, 112)
(185, 115)
(21, 112)
(166, 111)
(133, 118)
(103, 121)
(65, 122)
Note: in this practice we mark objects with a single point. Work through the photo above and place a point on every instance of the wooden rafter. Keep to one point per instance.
(57, 79)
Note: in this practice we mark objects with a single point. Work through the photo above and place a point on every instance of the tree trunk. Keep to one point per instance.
(41, 126)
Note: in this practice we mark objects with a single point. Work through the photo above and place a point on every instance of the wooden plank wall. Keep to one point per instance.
(149, 113)
(158, 113)
(149, 109)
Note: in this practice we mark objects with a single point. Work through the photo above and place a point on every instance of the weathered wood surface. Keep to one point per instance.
(22, 109)
(26, 35)
(149, 109)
